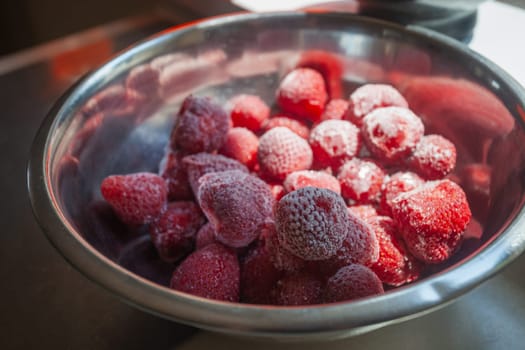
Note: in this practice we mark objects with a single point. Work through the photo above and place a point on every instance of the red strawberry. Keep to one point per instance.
(392, 133)
(336, 109)
(258, 276)
(205, 236)
(305, 178)
(236, 204)
(360, 246)
(201, 126)
(211, 272)
(432, 219)
(282, 152)
(352, 282)
(361, 181)
(277, 190)
(434, 157)
(363, 212)
(172, 170)
(394, 185)
(303, 93)
(328, 65)
(312, 223)
(173, 232)
(294, 125)
(395, 265)
(248, 111)
(281, 258)
(334, 142)
(200, 164)
(241, 144)
(136, 198)
(369, 97)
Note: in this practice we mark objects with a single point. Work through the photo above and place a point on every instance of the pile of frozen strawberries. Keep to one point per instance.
(324, 201)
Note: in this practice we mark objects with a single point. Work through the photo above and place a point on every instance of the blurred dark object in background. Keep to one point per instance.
(453, 18)
(26, 23)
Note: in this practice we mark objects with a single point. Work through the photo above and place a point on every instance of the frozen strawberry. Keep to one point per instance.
(258, 276)
(361, 181)
(144, 80)
(336, 109)
(364, 212)
(281, 258)
(396, 184)
(305, 178)
(312, 223)
(211, 272)
(360, 246)
(434, 157)
(173, 232)
(302, 92)
(172, 170)
(294, 125)
(137, 199)
(201, 126)
(201, 164)
(328, 65)
(395, 265)
(282, 152)
(352, 282)
(236, 204)
(432, 219)
(241, 144)
(334, 142)
(205, 236)
(277, 190)
(392, 133)
(298, 289)
(369, 97)
(248, 111)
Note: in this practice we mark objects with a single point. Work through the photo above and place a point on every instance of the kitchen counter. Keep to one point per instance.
(46, 304)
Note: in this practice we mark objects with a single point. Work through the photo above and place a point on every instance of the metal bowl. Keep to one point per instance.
(100, 128)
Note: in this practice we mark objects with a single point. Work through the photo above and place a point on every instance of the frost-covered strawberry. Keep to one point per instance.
(282, 152)
(211, 272)
(137, 199)
(312, 223)
(236, 204)
(302, 92)
(432, 219)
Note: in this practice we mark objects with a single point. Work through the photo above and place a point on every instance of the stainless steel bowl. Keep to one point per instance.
(90, 133)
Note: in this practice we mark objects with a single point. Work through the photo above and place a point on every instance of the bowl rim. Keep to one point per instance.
(431, 293)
